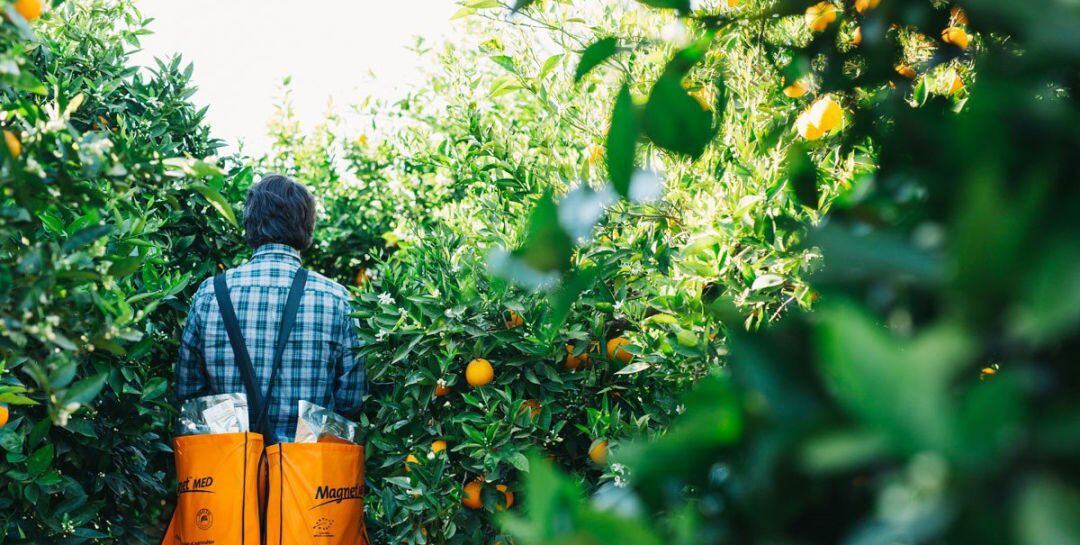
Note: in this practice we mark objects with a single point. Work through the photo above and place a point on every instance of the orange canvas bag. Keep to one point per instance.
(217, 501)
(316, 494)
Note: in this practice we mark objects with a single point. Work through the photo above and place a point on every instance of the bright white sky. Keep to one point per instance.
(333, 49)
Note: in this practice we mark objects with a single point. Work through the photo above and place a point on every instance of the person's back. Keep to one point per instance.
(318, 364)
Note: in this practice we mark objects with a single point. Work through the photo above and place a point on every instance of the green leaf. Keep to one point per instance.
(593, 55)
(506, 62)
(802, 175)
(86, 236)
(217, 201)
(549, 65)
(674, 121)
(40, 460)
(86, 389)
(681, 5)
(521, 4)
(622, 142)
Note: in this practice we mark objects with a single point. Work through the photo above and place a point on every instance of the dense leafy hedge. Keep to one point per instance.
(102, 234)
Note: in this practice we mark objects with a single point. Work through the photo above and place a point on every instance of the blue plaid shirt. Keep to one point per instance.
(319, 364)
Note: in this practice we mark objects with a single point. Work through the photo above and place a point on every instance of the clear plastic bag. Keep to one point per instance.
(317, 424)
(219, 413)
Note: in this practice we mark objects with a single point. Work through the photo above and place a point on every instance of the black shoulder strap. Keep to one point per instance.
(258, 403)
(239, 348)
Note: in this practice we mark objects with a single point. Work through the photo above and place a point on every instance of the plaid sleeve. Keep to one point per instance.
(191, 380)
(350, 381)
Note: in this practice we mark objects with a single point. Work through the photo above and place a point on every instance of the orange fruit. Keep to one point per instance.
(4, 415)
(820, 118)
(572, 361)
(410, 459)
(471, 495)
(438, 445)
(819, 16)
(441, 390)
(479, 373)
(509, 497)
(856, 38)
(533, 406)
(905, 70)
(13, 145)
(361, 276)
(956, 83)
(29, 9)
(598, 451)
(862, 6)
(956, 36)
(515, 320)
(616, 352)
(797, 89)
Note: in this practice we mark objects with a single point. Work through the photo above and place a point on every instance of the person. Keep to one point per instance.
(319, 363)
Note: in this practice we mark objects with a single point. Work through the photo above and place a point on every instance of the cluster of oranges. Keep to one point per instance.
(479, 372)
(825, 114)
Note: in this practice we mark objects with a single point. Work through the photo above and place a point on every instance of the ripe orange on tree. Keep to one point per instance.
(13, 145)
(507, 494)
(572, 361)
(361, 276)
(441, 390)
(819, 16)
(438, 445)
(533, 407)
(471, 495)
(479, 373)
(905, 70)
(410, 459)
(515, 320)
(616, 352)
(598, 451)
(862, 6)
(797, 89)
(819, 119)
(856, 38)
(956, 36)
(29, 9)
(4, 415)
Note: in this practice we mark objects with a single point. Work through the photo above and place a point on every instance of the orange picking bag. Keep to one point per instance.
(218, 493)
(316, 494)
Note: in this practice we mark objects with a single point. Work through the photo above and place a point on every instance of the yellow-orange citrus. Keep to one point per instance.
(471, 495)
(956, 36)
(13, 145)
(507, 494)
(4, 415)
(598, 451)
(29, 9)
(533, 407)
(361, 276)
(862, 6)
(616, 352)
(572, 361)
(856, 38)
(819, 119)
(410, 459)
(514, 320)
(955, 82)
(819, 16)
(479, 372)
(441, 390)
(905, 70)
(797, 89)
(438, 445)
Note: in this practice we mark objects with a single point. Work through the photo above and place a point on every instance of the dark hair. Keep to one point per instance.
(279, 210)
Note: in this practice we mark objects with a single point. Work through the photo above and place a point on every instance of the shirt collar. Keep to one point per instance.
(277, 252)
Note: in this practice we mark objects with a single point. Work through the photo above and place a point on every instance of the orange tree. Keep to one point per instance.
(928, 399)
(106, 218)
